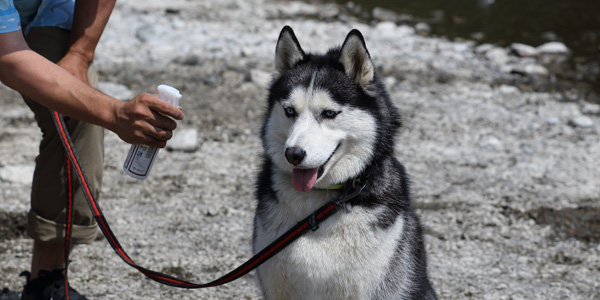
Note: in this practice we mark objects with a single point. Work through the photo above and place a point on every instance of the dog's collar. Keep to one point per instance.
(341, 185)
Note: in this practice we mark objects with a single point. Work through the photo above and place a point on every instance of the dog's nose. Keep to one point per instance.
(295, 155)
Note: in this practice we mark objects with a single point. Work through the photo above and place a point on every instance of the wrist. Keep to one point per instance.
(112, 122)
(85, 56)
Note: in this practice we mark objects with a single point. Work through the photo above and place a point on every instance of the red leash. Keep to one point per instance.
(69, 206)
(309, 223)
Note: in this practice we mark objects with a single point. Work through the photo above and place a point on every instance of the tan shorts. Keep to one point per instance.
(47, 216)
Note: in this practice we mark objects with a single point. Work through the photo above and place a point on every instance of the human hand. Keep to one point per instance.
(77, 65)
(146, 120)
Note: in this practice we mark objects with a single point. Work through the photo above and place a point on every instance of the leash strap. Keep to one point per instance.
(69, 215)
(309, 223)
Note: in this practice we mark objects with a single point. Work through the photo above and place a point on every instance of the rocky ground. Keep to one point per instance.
(503, 156)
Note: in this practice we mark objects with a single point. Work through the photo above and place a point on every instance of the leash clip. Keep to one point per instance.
(351, 193)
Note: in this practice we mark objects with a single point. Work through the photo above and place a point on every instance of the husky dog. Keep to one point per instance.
(330, 125)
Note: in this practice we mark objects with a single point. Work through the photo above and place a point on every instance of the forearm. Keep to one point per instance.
(57, 89)
(89, 20)
(142, 120)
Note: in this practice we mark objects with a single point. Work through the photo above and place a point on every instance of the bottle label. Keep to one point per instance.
(141, 160)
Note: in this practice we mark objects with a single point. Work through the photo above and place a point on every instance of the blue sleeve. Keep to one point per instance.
(9, 17)
(53, 13)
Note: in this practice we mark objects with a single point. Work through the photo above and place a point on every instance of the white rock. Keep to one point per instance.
(16, 113)
(146, 34)
(390, 81)
(535, 69)
(491, 142)
(590, 108)
(297, 8)
(17, 174)
(530, 69)
(524, 50)
(329, 11)
(184, 140)
(509, 89)
(552, 121)
(115, 90)
(553, 48)
(423, 28)
(581, 122)
(405, 30)
(392, 31)
(483, 48)
(383, 14)
(497, 55)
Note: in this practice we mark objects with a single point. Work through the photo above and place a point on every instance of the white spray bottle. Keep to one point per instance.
(140, 158)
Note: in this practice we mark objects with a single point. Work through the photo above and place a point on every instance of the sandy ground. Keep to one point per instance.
(503, 158)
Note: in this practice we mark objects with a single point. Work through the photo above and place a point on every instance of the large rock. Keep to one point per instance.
(115, 90)
(497, 55)
(184, 140)
(18, 174)
(553, 48)
(524, 50)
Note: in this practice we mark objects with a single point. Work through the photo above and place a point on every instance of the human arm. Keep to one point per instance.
(89, 19)
(142, 120)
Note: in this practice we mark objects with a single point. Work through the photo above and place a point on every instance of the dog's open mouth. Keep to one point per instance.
(304, 179)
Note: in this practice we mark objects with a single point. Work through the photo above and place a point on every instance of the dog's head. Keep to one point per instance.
(329, 116)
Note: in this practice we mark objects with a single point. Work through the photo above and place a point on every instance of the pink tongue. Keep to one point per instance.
(304, 179)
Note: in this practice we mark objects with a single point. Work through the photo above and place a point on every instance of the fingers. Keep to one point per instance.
(161, 127)
(147, 120)
(165, 108)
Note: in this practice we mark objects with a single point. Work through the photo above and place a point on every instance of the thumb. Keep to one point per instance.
(165, 108)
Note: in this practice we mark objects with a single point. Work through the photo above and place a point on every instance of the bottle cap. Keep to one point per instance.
(169, 94)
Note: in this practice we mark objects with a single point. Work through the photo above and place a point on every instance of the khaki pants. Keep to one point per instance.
(47, 217)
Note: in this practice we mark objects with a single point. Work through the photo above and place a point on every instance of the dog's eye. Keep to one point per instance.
(289, 111)
(329, 114)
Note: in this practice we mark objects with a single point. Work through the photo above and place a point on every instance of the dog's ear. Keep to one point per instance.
(356, 59)
(288, 51)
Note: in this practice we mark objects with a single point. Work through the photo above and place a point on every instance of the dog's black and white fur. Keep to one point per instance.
(329, 120)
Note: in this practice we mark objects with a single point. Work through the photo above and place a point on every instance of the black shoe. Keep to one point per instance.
(48, 286)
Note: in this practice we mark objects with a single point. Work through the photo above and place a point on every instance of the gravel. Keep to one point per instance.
(503, 164)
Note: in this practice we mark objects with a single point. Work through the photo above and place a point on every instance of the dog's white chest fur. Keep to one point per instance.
(346, 258)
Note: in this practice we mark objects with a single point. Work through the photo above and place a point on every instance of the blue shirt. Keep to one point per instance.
(24, 14)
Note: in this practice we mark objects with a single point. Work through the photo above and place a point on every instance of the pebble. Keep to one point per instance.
(590, 109)
(18, 174)
(115, 90)
(535, 69)
(184, 140)
(491, 143)
(329, 12)
(524, 50)
(189, 59)
(16, 113)
(553, 48)
(423, 28)
(530, 69)
(484, 48)
(390, 81)
(297, 8)
(552, 121)
(497, 55)
(581, 122)
(382, 14)
(391, 30)
(509, 89)
(145, 34)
